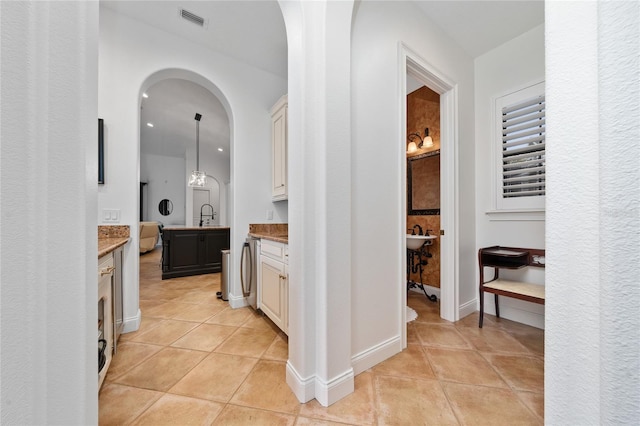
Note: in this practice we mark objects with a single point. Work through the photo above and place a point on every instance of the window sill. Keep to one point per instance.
(516, 215)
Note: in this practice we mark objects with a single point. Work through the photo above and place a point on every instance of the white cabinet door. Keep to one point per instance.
(273, 294)
(279, 150)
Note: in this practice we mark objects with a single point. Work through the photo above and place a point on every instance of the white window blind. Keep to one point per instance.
(519, 150)
(523, 148)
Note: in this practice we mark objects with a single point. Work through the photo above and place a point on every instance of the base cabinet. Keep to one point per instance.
(196, 251)
(274, 283)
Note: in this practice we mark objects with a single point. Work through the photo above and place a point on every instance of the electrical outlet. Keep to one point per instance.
(269, 214)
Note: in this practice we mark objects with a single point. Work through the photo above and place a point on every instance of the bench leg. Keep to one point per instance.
(497, 306)
(481, 309)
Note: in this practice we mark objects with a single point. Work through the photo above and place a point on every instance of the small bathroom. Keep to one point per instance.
(423, 198)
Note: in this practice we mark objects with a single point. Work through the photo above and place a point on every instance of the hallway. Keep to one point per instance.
(197, 361)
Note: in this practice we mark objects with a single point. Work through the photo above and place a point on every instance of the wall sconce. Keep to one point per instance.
(425, 142)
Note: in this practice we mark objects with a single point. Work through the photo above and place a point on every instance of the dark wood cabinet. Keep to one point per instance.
(192, 251)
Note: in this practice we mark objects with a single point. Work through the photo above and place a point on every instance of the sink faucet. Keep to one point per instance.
(419, 230)
(212, 215)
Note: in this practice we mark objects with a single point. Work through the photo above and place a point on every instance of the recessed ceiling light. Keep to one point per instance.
(144, 95)
(220, 149)
(150, 124)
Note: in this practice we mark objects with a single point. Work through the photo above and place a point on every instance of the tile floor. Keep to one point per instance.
(196, 361)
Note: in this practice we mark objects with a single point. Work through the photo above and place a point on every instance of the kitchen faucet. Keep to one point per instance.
(212, 215)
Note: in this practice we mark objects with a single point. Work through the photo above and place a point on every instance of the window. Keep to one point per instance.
(520, 150)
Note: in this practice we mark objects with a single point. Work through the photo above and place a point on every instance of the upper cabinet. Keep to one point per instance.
(279, 150)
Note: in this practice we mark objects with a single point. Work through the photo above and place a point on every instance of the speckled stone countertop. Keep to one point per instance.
(194, 228)
(278, 232)
(110, 237)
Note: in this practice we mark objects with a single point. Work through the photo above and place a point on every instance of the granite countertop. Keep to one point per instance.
(194, 228)
(110, 237)
(278, 232)
(107, 245)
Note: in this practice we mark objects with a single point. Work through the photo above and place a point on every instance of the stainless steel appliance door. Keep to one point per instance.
(249, 271)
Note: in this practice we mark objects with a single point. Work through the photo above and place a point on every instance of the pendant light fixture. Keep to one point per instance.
(198, 178)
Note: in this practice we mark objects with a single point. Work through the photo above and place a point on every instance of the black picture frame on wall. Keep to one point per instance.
(100, 151)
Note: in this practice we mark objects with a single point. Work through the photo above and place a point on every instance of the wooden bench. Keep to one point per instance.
(498, 257)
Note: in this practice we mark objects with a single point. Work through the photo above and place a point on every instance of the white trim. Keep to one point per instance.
(412, 63)
(303, 389)
(335, 389)
(430, 290)
(237, 301)
(376, 354)
(516, 215)
(132, 323)
(469, 308)
(521, 311)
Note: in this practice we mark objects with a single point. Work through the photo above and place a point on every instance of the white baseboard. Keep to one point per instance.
(132, 323)
(516, 310)
(335, 389)
(237, 301)
(376, 354)
(325, 392)
(430, 290)
(468, 308)
(303, 389)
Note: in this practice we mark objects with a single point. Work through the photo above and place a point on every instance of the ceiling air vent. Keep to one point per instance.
(192, 17)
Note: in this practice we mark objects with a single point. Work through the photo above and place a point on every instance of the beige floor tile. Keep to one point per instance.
(119, 404)
(305, 421)
(146, 324)
(357, 408)
(404, 401)
(247, 342)
(198, 313)
(265, 387)
(202, 297)
(482, 405)
(205, 337)
(168, 310)
(278, 351)
(257, 321)
(435, 335)
(535, 402)
(243, 416)
(231, 317)
(179, 410)
(412, 335)
(411, 362)
(521, 373)
(463, 366)
(162, 370)
(165, 333)
(491, 340)
(216, 378)
(129, 355)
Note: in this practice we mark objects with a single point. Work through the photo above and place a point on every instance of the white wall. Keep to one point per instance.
(378, 214)
(592, 344)
(505, 69)
(217, 166)
(165, 177)
(48, 228)
(132, 57)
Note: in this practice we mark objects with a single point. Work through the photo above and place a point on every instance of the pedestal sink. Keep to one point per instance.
(414, 242)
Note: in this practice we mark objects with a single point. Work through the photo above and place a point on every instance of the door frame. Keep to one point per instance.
(412, 63)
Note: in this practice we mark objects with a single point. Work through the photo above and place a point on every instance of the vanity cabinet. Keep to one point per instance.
(273, 278)
(279, 150)
(192, 250)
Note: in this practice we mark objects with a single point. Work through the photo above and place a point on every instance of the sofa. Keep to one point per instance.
(149, 233)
